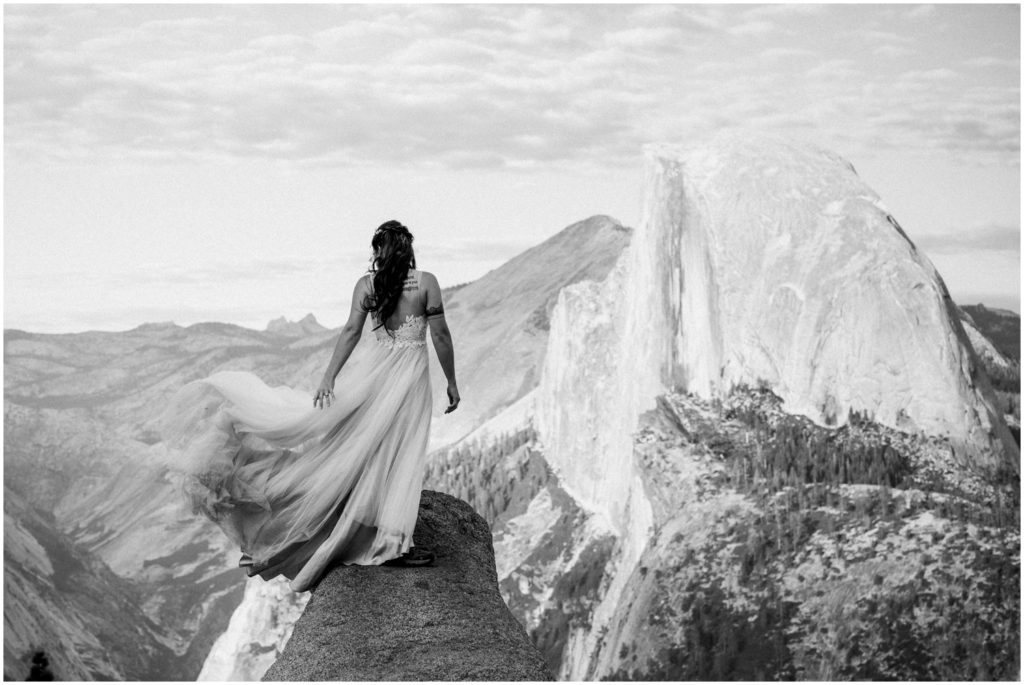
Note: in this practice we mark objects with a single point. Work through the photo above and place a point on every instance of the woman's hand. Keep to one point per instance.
(453, 398)
(324, 394)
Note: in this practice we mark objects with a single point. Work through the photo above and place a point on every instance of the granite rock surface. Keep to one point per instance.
(441, 622)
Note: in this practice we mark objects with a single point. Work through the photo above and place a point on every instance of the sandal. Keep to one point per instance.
(247, 562)
(414, 557)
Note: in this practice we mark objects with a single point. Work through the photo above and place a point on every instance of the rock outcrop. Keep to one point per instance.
(307, 325)
(258, 631)
(765, 262)
(440, 622)
(758, 262)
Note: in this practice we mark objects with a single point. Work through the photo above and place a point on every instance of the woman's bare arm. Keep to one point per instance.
(347, 339)
(441, 337)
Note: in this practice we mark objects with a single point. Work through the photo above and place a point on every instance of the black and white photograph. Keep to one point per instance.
(511, 342)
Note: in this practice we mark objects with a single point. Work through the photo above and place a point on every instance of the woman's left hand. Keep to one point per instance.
(324, 394)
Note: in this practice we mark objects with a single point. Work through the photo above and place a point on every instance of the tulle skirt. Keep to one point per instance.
(299, 488)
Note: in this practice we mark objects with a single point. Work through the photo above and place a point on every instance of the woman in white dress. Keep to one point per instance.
(303, 488)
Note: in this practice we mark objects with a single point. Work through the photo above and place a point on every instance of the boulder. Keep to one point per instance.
(441, 622)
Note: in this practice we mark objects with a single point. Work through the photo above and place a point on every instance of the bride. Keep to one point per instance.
(302, 488)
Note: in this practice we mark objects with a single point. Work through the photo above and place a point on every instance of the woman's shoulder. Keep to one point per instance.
(426, 277)
(365, 281)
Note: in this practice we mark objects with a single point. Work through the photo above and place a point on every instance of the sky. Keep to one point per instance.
(229, 163)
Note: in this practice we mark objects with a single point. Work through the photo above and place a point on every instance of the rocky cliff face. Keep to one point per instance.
(64, 602)
(440, 622)
(259, 630)
(783, 267)
(995, 336)
(1000, 326)
(758, 262)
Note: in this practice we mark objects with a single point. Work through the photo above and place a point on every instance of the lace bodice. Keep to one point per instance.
(412, 333)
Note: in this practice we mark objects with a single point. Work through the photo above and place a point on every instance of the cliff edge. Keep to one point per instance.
(441, 622)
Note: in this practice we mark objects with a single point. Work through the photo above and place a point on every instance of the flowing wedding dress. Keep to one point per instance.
(299, 488)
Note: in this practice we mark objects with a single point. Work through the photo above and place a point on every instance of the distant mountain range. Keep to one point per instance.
(307, 325)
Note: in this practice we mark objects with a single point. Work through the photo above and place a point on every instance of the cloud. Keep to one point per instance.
(877, 36)
(644, 37)
(777, 53)
(835, 69)
(920, 12)
(784, 11)
(989, 62)
(929, 75)
(752, 28)
(436, 96)
(465, 87)
(892, 51)
(498, 251)
(999, 238)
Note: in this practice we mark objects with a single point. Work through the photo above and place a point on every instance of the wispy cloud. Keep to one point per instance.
(465, 86)
(892, 51)
(989, 62)
(997, 238)
(920, 12)
(752, 28)
(224, 274)
(476, 250)
(783, 52)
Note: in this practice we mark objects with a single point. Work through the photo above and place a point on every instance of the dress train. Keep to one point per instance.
(299, 488)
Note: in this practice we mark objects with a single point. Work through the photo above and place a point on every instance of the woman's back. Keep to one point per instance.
(411, 303)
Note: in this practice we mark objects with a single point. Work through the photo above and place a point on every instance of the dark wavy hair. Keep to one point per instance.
(392, 243)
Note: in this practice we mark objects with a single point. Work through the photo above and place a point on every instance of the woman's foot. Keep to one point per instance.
(414, 557)
(249, 565)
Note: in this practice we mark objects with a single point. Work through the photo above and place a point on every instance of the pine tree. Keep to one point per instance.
(40, 667)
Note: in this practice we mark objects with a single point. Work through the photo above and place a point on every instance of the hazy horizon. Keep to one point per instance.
(258, 326)
(228, 163)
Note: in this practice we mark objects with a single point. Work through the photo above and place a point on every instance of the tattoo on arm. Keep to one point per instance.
(435, 311)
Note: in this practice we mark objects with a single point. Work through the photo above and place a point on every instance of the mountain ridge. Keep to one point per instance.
(305, 326)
